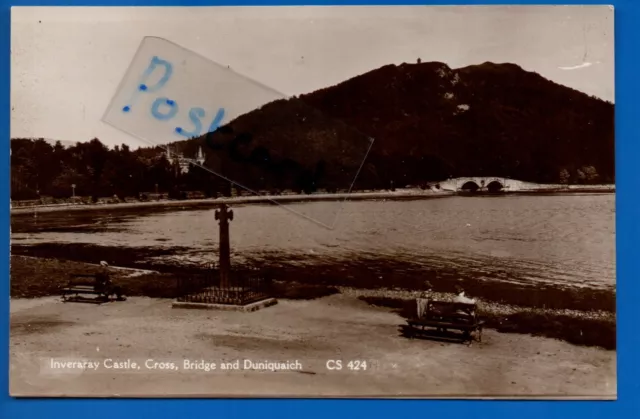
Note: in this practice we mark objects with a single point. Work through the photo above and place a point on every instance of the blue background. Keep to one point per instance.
(627, 35)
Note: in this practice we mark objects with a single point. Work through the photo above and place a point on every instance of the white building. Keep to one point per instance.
(182, 161)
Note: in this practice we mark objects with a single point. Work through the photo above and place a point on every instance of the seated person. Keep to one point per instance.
(462, 298)
(104, 284)
(423, 300)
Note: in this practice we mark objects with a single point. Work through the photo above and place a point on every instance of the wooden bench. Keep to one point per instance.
(444, 316)
(78, 291)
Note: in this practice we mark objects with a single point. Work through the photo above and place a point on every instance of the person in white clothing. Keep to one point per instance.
(423, 300)
(461, 298)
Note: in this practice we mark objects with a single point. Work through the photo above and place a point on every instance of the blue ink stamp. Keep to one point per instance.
(170, 94)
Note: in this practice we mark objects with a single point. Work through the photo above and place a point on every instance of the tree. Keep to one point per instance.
(62, 184)
(580, 176)
(58, 148)
(590, 173)
(161, 173)
(22, 173)
(564, 176)
(587, 174)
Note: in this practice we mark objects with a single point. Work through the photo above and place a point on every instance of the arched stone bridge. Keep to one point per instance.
(482, 184)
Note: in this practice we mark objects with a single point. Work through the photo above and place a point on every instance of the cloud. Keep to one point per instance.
(576, 67)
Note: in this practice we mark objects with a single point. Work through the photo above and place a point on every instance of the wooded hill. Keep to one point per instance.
(428, 122)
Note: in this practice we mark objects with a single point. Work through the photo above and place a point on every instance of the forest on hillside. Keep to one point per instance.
(428, 122)
(91, 169)
(393, 126)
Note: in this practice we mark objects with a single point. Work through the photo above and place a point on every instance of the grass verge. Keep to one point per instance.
(587, 328)
(39, 277)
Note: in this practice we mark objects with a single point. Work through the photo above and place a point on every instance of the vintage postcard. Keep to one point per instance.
(373, 202)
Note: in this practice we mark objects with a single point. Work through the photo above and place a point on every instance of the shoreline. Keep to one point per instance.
(569, 321)
(405, 194)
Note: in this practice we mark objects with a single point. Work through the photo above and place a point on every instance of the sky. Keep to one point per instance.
(67, 62)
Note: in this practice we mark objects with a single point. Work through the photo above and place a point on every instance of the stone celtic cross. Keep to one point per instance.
(224, 215)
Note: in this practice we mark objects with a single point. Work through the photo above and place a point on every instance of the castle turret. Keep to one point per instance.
(200, 156)
(167, 154)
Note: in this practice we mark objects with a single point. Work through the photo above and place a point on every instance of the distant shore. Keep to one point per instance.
(400, 194)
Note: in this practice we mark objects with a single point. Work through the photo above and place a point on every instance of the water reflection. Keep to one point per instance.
(567, 239)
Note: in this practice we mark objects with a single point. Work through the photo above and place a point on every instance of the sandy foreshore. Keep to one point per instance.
(149, 332)
(575, 318)
(284, 199)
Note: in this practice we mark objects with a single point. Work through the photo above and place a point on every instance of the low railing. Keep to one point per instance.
(241, 289)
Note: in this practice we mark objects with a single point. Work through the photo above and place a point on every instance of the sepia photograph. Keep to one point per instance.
(313, 202)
